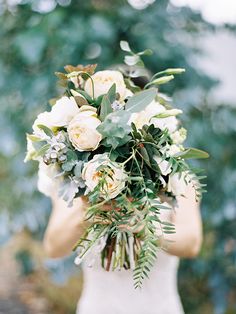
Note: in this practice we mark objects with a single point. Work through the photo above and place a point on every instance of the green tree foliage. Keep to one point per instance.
(34, 45)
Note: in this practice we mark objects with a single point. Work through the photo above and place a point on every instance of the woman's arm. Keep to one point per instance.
(187, 219)
(66, 226)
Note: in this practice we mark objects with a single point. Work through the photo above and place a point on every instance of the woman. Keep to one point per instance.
(113, 292)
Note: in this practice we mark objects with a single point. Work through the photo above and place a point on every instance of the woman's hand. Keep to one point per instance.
(67, 225)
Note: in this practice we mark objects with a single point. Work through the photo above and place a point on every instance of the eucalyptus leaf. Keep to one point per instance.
(124, 45)
(115, 128)
(139, 101)
(71, 155)
(46, 130)
(68, 166)
(132, 60)
(192, 153)
(42, 150)
(33, 138)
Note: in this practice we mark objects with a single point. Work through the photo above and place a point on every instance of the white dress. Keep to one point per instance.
(114, 293)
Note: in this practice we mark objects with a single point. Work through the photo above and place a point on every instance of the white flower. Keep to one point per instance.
(43, 118)
(103, 80)
(177, 184)
(82, 129)
(139, 119)
(154, 108)
(115, 181)
(164, 165)
(172, 150)
(63, 111)
(178, 137)
(148, 116)
(169, 123)
(61, 114)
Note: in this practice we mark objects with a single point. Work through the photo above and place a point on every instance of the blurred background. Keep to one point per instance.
(38, 38)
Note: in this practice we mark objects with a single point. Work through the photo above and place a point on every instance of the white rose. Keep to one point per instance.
(147, 116)
(154, 108)
(139, 119)
(169, 123)
(164, 165)
(177, 184)
(172, 150)
(103, 80)
(63, 111)
(82, 129)
(43, 118)
(61, 114)
(115, 182)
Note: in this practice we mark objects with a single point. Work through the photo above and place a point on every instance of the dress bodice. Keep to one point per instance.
(114, 293)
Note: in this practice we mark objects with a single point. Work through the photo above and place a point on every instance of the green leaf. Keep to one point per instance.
(83, 93)
(45, 129)
(115, 129)
(42, 150)
(71, 155)
(107, 101)
(33, 137)
(139, 101)
(68, 166)
(190, 153)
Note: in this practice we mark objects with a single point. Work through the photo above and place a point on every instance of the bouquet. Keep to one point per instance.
(120, 144)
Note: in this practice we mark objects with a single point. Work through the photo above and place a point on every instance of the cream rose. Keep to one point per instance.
(82, 129)
(103, 80)
(177, 184)
(115, 181)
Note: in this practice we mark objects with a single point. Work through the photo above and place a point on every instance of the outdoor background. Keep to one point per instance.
(36, 39)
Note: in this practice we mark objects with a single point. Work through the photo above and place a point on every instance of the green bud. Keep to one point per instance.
(174, 71)
(161, 80)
